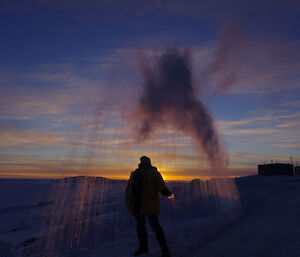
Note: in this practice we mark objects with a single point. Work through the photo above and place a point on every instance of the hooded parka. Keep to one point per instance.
(142, 192)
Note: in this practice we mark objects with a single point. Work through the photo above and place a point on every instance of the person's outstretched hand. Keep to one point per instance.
(171, 196)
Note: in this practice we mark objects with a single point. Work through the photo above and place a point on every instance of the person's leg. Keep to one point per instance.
(159, 232)
(142, 234)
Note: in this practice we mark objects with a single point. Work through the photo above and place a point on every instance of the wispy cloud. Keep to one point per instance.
(10, 136)
(267, 128)
(28, 95)
(275, 119)
(290, 124)
(239, 62)
(254, 131)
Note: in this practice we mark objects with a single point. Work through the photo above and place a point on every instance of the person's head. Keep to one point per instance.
(145, 162)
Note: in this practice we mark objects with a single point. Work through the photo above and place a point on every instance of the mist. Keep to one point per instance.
(169, 98)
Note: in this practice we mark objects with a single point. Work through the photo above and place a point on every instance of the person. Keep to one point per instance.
(142, 198)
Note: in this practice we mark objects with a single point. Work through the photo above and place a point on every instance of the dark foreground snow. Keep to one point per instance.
(272, 229)
(84, 217)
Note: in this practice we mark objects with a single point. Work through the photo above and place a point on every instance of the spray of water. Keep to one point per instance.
(223, 70)
(88, 211)
(85, 211)
(169, 98)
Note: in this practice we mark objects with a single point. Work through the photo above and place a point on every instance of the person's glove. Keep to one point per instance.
(171, 196)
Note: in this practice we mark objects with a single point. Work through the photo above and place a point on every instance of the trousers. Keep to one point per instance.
(157, 229)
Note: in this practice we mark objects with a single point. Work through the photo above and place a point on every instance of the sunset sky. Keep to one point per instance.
(70, 80)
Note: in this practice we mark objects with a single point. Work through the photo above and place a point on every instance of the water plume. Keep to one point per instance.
(224, 67)
(242, 63)
(169, 97)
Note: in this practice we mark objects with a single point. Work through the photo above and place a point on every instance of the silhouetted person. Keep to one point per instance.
(142, 198)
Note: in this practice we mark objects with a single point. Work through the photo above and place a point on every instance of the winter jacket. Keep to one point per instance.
(142, 192)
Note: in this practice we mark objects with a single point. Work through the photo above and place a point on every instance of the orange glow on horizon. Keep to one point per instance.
(32, 175)
(168, 172)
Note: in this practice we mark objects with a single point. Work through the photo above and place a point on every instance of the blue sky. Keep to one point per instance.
(70, 79)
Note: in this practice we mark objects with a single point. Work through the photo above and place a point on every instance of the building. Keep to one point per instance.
(297, 170)
(276, 169)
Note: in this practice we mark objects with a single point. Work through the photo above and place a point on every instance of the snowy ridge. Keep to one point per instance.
(91, 179)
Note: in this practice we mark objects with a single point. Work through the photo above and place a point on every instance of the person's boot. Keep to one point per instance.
(166, 254)
(141, 251)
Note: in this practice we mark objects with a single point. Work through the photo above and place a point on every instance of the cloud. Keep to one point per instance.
(46, 90)
(271, 116)
(240, 62)
(236, 62)
(62, 91)
(268, 128)
(289, 124)
(10, 136)
(290, 145)
(254, 131)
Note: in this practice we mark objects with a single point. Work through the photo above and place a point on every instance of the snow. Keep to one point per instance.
(271, 230)
(86, 217)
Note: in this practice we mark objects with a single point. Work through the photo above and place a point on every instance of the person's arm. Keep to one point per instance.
(162, 187)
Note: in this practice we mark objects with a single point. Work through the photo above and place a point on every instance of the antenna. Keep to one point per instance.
(291, 159)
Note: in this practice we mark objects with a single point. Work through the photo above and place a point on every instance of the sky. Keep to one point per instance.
(71, 80)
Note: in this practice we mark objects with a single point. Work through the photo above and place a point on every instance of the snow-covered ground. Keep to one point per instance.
(86, 217)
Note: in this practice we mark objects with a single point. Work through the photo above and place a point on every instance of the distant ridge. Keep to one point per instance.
(92, 179)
